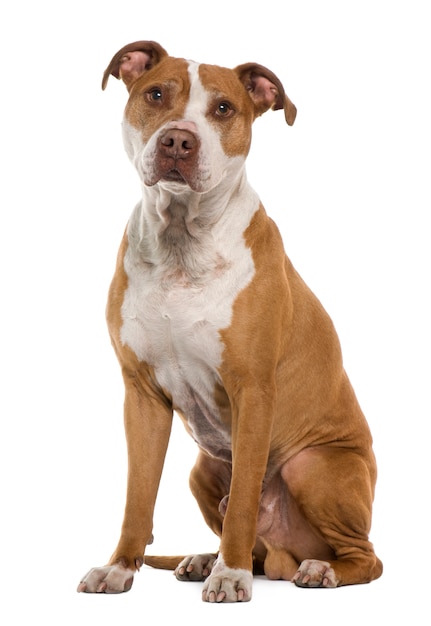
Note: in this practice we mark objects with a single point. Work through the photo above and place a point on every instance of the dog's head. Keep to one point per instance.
(188, 124)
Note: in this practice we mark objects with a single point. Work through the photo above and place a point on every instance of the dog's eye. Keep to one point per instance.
(224, 109)
(154, 95)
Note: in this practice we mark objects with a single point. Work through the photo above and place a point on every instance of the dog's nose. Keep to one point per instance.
(178, 143)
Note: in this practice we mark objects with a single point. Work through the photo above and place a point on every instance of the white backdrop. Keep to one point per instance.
(349, 186)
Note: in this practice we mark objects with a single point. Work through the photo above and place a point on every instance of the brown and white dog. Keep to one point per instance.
(208, 318)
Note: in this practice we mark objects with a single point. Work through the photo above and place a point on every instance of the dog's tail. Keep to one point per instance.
(163, 562)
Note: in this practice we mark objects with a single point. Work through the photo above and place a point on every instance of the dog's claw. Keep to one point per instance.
(241, 595)
(211, 597)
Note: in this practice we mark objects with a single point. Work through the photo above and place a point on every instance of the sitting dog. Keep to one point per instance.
(208, 318)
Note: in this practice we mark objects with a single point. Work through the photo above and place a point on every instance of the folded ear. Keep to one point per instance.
(133, 60)
(266, 90)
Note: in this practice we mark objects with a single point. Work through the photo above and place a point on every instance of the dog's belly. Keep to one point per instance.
(204, 424)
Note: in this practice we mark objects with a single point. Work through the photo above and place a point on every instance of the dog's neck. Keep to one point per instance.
(178, 229)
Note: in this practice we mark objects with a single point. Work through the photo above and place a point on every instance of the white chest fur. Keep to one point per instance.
(176, 303)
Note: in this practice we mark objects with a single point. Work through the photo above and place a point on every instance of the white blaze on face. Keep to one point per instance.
(213, 162)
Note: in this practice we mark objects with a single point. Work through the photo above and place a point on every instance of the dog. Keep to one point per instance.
(209, 319)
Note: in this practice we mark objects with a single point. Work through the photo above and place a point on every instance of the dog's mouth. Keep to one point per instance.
(173, 176)
(179, 173)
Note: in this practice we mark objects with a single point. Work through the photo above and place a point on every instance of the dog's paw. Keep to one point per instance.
(226, 584)
(195, 567)
(313, 573)
(109, 579)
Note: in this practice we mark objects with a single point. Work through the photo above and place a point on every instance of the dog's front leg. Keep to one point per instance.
(148, 421)
(231, 578)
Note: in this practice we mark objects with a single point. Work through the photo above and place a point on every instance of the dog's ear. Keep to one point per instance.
(265, 90)
(133, 60)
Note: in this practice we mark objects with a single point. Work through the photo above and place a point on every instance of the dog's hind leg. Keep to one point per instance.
(334, 487)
